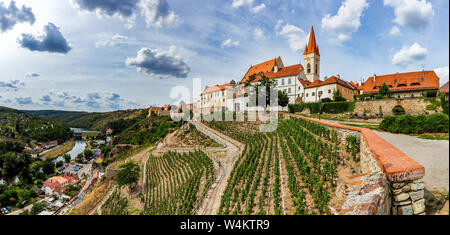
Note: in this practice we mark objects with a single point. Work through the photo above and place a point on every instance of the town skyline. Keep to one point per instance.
(69, 55)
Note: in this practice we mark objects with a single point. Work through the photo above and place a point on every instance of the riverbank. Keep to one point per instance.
(59, 151)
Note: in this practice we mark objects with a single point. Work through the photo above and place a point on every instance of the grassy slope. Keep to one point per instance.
(86, 120)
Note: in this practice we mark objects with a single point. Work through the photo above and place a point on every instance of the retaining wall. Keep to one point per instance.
(413, 106)
(392, 183)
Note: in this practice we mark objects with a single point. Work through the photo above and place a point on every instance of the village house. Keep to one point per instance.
(57, 184)
(444, 90)
(51, 144)
(403, 85)
(320, 90)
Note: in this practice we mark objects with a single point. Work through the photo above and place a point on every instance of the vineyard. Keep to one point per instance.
(115, 205)
(293, 170)
(176, 183)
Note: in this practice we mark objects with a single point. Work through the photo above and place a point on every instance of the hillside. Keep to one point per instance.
(95, 121)
(21, 126)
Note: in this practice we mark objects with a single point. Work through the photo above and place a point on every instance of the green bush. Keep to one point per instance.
(398, 110)
(328, 107)
(415, 124)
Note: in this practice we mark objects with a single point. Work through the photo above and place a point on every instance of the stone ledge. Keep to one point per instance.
(396, 165)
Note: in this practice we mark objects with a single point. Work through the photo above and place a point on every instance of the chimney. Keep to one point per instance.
(374, 78)
(339, 76)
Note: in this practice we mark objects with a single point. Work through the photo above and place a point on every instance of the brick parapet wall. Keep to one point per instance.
(402, 192)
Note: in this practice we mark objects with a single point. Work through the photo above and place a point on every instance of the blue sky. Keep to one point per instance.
(101, 55)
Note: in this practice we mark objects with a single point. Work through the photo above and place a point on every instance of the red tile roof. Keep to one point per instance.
(312, 47)
(52, 186)
(263, 67)
(155, 108)
(215, 88)
(289, 71)
(331, 80)
(412, 81)
(444, 88)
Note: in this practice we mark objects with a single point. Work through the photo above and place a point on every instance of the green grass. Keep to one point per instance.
(58, 151)
(434, 136)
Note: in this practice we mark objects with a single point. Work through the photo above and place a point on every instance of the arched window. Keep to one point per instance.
(316, 69)
(308, 67)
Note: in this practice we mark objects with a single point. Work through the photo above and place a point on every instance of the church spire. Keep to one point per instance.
(312, 45)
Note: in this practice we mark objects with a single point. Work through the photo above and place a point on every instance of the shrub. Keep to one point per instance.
(330, 107)
(436, 123)
(416, 124)
(398, 110)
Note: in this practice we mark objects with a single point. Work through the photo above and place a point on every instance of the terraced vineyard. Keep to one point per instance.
(291, 171)
(116, 204)
(176, 183)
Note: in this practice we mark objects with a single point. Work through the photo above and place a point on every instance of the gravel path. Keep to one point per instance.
(223, 166)
(432, 154)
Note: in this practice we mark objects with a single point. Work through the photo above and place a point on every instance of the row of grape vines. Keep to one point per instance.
(176, 183)
(304, 152)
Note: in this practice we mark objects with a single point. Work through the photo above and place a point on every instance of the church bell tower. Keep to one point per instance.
(311, 58)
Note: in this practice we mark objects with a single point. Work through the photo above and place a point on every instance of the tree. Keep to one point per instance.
(384, 90)
(264, 82)
(337, 97)
(67, 158)
(48, 167)
(283, 99)
(128, 174)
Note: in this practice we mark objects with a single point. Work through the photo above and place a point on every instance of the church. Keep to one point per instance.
(294, 80)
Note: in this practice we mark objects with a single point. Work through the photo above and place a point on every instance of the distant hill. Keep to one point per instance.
(22, 126)
(95, 121)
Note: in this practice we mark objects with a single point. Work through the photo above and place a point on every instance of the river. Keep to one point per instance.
(79, 147)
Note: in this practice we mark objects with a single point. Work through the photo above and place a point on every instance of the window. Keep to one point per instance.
(299, 88)
(289, 81)
(284, 90)
(316, 69)
(313, 94)
(329, 91)
(289, 90)
(308, 68)
(282, 82)
(320, 93)
(307, 94)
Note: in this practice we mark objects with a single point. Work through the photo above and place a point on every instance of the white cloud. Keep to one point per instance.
(442, 73)
(395, 31)
(409, 55)
(258, 33)
(416, 14)
(239, 3)
(296, 37)
(258, 8)
(160, 63)
(347, 20)
(278, 25)
(158, 13)
(230, 43)
(109, 39)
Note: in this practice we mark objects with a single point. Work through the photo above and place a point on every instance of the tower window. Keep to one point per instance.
(308, 67)
(316, 69)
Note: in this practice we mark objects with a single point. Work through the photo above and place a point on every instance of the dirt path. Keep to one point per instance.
(432, 154)
(223, 166)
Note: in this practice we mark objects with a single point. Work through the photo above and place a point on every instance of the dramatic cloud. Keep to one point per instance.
(259, 34)
(51, 41)
(108, 39)
(395, 31)
(296, 37)
(10, 16)
(416, 14)
(158, 13)
(442, 73)
(122, 8)
(155, 12)
(12, 85)
(258, 8)
(24, 100)
(230, 43)
(46, 98)
(239, 3)
(409, 55)
(29, 75)
(347, 20)
(159, 63)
